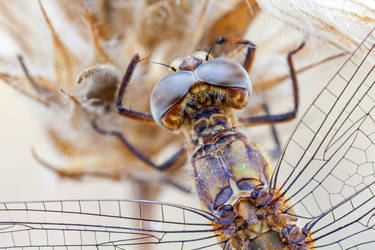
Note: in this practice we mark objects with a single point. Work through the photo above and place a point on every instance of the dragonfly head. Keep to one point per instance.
(198, 82)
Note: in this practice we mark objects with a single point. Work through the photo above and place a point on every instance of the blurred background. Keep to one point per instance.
(58, 41)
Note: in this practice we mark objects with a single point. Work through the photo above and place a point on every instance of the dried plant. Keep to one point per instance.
(75, 75)
(343, 23)
(75, 54)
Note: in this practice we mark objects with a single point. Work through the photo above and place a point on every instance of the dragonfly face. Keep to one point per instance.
(320, 194)
(198, 82)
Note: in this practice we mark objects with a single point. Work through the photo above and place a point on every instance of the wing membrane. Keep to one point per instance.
(108, 224)
(326, 172)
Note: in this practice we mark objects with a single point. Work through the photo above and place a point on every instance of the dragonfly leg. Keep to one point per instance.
(161, 167)
(250, 53)
(275, 153)
(136, 116)
(125, 81)
(270, 119)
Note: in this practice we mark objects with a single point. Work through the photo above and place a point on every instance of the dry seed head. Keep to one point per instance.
(98, 86)
(79, 39)
(66, 40)
(343, 22)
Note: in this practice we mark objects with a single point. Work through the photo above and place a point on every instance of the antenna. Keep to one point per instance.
(166, 65)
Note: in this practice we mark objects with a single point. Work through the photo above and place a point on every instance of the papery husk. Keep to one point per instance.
(61, 39)
(109, 33)
(344, 23)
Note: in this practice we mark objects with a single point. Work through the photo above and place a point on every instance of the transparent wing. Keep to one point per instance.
(104, 224)
(326, 172)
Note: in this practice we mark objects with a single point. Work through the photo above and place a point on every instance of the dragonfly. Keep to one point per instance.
(319, 195)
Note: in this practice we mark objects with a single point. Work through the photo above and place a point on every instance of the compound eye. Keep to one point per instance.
(169, 91)
(224, 73)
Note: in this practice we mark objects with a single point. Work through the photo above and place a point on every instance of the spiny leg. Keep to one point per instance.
(140, 116)
(250, 53)
(275, 153)
(271, 119)
(165, 165)
(135, 115)
(264, 85)
(74, 174)
(170, 162)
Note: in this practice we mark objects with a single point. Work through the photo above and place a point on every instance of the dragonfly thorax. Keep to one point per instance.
(209, 123)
